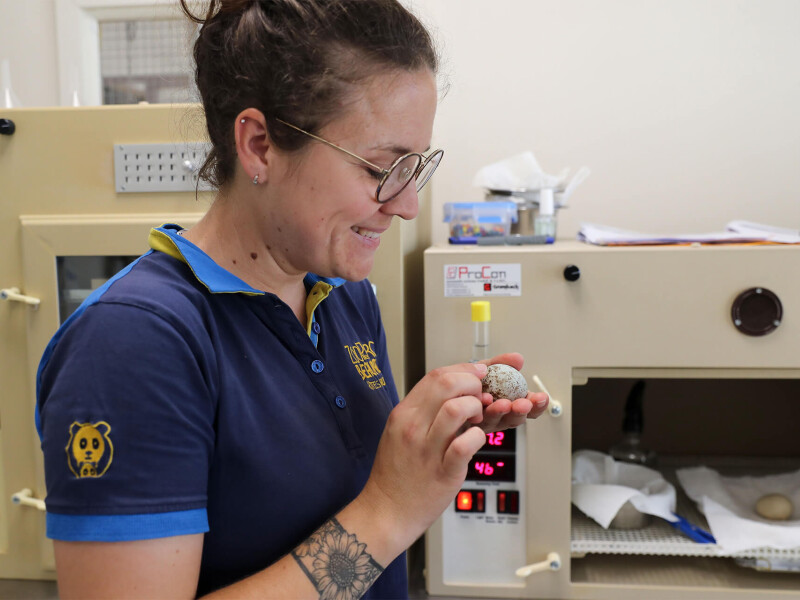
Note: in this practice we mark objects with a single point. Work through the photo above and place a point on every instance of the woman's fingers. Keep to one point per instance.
(461, 450)
(445, 383)
(504, 413)
(540, 401)
(451, 417)
(512, 359)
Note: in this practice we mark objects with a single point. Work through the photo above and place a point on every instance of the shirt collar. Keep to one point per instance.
(168, 240)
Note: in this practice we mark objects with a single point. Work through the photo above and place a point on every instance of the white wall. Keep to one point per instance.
(685, 110)
(28, 43)
(52, 45)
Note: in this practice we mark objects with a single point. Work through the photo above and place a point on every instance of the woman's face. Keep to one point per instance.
(321, 214)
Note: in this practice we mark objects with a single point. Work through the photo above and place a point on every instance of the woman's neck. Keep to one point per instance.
(228, 234)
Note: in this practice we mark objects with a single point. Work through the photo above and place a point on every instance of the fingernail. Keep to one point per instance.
(482, 370)
(542, 402)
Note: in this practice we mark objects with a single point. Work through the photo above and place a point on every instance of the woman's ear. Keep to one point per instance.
(252, 144)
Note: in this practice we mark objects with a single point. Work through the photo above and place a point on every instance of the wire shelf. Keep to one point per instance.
(659, 538)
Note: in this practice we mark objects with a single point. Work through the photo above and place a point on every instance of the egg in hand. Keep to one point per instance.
(503, 381)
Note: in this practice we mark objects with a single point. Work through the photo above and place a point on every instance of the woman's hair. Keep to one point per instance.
(295, 60)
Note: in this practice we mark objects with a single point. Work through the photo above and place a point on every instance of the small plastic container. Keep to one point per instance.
(470, 220)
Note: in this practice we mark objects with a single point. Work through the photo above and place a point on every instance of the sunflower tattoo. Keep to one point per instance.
(336, 563)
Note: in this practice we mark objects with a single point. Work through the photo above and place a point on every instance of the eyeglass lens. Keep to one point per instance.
(400, 176)
(428, 168)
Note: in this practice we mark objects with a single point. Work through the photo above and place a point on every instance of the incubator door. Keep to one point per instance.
(65, 230)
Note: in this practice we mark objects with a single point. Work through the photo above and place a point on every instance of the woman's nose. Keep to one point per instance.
(405, 205)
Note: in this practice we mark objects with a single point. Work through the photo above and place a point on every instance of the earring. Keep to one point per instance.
(255, 179)
(242, 121)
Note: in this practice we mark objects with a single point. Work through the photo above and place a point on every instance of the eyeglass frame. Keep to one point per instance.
(423, 160)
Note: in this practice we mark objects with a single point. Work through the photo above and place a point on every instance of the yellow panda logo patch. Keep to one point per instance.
(89, 450)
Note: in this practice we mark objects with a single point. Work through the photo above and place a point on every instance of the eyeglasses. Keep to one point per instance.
(394, 179)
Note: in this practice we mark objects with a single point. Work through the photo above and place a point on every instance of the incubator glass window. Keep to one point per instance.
(79, 276)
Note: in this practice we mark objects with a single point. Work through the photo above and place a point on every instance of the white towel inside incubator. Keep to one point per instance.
(729, 506)
(602, 485)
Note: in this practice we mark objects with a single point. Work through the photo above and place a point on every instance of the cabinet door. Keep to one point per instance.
(63, 260)
(61, 216)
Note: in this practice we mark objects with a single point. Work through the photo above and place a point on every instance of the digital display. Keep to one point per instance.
(492, 468)
(500, 441)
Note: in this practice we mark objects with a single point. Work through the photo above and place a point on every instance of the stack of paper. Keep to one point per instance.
(736, 232)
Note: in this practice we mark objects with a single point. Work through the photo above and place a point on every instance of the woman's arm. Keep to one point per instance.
(169, 567)
(158, 568)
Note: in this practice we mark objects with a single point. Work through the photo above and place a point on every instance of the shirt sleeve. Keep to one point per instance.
(126, 405)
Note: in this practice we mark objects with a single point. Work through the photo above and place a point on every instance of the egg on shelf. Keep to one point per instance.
(775, 507)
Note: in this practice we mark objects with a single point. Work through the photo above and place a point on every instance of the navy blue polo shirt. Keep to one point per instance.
(179, 400)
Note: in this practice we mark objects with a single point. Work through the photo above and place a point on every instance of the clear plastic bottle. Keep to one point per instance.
(545, 222)
(481, 317)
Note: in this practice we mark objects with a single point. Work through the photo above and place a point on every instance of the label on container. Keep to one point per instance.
(482, 280)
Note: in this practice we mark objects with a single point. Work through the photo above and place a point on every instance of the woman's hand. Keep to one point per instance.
(423, 454)
(429, 439)
(504, 413)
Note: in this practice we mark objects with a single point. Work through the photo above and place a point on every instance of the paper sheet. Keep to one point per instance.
(601, 486)
(729, 506)
(736, 232)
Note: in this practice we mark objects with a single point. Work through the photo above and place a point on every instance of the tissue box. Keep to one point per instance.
(470, 220)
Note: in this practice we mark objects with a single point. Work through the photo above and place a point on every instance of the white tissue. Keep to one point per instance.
(729, 506)
(520, 172)
(601, 486)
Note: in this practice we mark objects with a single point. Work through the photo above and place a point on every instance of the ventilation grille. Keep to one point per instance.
(159, 167)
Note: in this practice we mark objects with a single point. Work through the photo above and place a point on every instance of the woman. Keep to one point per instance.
(228, 411)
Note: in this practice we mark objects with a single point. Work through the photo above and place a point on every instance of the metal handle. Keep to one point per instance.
(13, 294)
(25, 498)
(554, 407)
(551, 563)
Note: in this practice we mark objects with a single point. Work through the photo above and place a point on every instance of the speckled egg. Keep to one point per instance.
(503, 381)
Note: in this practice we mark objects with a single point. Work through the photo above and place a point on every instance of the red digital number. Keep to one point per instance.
(496, 439)
(484, 468)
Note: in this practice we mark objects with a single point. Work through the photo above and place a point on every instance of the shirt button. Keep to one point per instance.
(315, 327)
(341, 402)
(317, 366)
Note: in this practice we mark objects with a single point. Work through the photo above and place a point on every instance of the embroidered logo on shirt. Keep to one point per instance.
(364, 359)
(89, 450)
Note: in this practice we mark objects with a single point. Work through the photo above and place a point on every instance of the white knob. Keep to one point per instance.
(551, 563)
(554, 407)
(13, 294)
(25, 498)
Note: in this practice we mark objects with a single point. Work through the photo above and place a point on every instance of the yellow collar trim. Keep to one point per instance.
(318, 293)
(160, 241)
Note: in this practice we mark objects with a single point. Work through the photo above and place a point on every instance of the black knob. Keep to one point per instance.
(7, 126)
(572, 273)
(757, 311)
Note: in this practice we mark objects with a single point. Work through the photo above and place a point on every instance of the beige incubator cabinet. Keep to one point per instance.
(713, 334)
